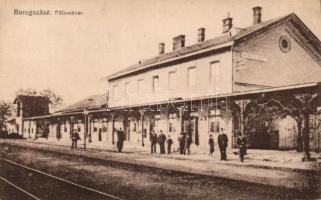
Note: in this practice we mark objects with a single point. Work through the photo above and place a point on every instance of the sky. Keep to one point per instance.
(72, 54)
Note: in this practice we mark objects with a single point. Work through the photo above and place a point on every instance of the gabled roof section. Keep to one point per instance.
(91, 103)
(25, 99)
(218, 42)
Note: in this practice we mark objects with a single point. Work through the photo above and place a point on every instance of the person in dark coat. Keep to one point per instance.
(161, 141)
(241, 143)
(120, 140)
(181, 141)
(74, 139)
(222, 141)
(211, 144)
(169, 144)
(187, 146)
(153, 142)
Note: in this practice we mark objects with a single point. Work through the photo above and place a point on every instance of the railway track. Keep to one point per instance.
(36, 184)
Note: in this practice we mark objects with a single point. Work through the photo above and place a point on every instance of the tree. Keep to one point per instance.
(5, 113)
(55, 99)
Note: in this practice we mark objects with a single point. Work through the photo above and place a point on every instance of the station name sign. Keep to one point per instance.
(252, 56)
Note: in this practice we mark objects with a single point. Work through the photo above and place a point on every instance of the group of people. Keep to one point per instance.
(120, 139)
(160, 139)
(222, 141)
(184, 141)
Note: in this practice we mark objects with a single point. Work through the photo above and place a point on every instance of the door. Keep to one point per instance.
(191, 128)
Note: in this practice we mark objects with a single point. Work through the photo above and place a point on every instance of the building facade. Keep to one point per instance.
(261, 81)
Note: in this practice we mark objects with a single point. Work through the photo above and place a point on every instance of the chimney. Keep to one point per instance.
(161, 48)
(201, 35)
(257, 15)
(227, 23)
(178, 42)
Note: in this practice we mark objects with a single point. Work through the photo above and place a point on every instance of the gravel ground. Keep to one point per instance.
(132, 182)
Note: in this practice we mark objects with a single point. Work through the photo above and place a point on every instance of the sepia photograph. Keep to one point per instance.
(151, 99)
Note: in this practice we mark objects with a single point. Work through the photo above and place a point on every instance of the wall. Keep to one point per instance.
(271, 66)
(203, 84)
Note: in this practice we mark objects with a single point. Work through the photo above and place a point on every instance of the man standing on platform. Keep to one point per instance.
(120, 140)
(153, 142)
(169, 144)
(161, 141)
(241, 143)
(74, 138)
(222, 141)
(181, 141)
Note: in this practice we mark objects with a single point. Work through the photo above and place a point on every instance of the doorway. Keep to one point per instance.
(190, 127)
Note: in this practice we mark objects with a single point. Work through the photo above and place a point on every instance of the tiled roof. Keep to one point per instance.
(199, 46)
(92, 102)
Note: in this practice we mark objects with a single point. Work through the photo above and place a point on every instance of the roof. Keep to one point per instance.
(92, 102)
(215, 43)
(26, 99)
(236, 95)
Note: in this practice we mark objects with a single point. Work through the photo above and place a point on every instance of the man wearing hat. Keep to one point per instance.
(222, 141)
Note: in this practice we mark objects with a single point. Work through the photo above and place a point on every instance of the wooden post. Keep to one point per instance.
(89, 127)
(113, 127)
(85, 129)
(71, 126)
(181, 112)
(37, 128)
(29, 128)
(306, 140)
(142, 124)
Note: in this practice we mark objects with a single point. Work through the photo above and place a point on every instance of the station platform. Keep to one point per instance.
(276, 168)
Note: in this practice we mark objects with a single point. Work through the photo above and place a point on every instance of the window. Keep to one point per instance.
(140, 86)
(191, 76)
(126, 89)
(134, 128)
(215, 127)
(104, 125)
(99, 136)
(78, 129)
(215, 71)
(171, 80)
(115, 91)
(284, 44)
(155, 83)
(104, 129)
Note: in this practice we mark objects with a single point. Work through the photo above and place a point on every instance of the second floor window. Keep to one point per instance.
(171, 80)
(215, 71)
(126, 89)
(140, 86)
(191, 76)
(115, 91)
(155, 83)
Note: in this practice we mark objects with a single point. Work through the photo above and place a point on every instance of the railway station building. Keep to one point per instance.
(261, 81)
